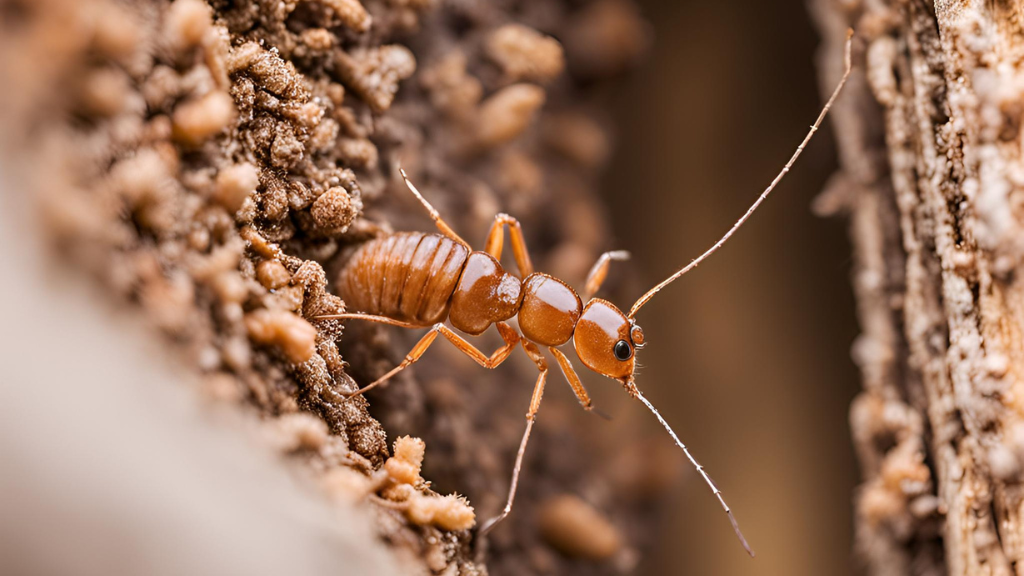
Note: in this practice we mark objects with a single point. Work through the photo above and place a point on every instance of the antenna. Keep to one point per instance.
(697, 465)
(814, 128)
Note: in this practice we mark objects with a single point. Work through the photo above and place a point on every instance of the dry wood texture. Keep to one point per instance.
(931, 177)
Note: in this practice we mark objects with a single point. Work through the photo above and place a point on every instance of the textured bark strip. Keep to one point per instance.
(932, 179)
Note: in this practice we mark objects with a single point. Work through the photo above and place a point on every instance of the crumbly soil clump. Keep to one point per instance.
(212, 164)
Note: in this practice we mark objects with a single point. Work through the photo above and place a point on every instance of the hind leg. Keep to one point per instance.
(508, 334)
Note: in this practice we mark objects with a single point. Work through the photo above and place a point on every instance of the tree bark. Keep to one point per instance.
(931, 177)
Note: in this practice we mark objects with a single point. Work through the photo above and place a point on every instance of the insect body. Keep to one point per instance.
(420, 280)
(424, 279)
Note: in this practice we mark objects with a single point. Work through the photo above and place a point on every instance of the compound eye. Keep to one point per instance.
(623, 351)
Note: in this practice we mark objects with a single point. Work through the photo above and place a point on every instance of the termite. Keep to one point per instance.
(420, 280)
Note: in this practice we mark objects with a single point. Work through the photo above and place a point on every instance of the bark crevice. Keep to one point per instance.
(930, 146)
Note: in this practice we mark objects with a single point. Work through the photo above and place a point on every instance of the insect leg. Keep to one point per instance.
(369, 318)
(441, 224)
(531, 416)
(508, 334)
(417, 351)
(600, 271)
(496, 237)
(573, 378)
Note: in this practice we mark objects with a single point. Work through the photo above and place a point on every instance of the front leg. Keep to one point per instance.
(600, 271)
(573, 378)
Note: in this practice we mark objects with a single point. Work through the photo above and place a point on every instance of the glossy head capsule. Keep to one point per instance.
(603, 340)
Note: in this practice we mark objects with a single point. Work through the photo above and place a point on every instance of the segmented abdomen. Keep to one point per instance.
(407, 276)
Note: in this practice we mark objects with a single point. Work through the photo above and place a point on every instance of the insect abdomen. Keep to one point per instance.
(407, 276)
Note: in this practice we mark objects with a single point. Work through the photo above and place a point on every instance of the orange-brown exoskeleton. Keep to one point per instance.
(420, 280)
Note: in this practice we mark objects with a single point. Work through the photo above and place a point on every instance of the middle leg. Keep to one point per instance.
(531, 417)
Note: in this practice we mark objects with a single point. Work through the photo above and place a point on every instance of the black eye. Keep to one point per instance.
(623, 350)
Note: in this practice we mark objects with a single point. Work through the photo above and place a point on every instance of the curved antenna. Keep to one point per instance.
(707, 479)
(814, 128)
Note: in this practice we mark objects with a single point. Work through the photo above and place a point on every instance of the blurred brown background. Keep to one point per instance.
(748, 356)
